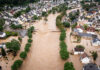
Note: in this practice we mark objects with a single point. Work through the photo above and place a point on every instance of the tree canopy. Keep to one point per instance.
(69, 66)
(66, 24)
(23, 55)
(94, 55)
(16, 64)
(14, 45)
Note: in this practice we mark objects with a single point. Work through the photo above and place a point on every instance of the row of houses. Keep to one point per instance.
(91, 20)
(73, 3)
(36, 9)
(85, 59)
(89, 34)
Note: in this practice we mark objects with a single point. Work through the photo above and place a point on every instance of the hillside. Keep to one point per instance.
(15, 2)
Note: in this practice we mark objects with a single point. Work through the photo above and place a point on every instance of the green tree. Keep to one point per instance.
(1, 28)
(72, 16)
(85, 26)
(66, 24)
(64, 53)
(13, 26)
(14, 45)
(23, 55)
(28, 9)
(28, 44)
(26, 48)
(30, 30)
(3, 52)
(9, 33)
(20, 39)
(74, 25)
(44, 14)
(63, 44)
(94, 55)
(62, 35)
(35, 17)
(80, 46)
(17, 64)
(30, 35)
(30, 40)
(2, 22)
(68, 66)
(17, 14)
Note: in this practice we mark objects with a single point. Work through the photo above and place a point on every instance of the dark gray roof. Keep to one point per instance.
(0, 68)
(96, 39)
(85, 34)
(1, 33)
(90, 66)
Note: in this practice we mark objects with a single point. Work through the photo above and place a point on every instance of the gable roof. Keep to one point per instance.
(91, 29)
(95, 40)
(84, 55)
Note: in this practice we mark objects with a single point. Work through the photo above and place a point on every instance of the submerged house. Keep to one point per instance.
(96, 42)
(90, 66)
(78, 50)
(2, 45)
(97, 25)
(78, 29)
(2, 35)
(85, 58)
(91, 30)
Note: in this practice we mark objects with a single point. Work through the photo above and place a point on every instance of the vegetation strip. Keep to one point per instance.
(63, 47)
(17, 64)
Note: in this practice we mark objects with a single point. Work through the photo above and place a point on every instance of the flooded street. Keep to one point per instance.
(44, 53)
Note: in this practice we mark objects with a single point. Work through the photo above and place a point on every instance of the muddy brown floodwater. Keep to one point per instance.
(44, 53)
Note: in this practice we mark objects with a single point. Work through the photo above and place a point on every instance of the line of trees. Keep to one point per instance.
(17, 64)
(63, 51)
(63, 47)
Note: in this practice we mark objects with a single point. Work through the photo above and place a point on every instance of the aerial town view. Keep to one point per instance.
(49, 34)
